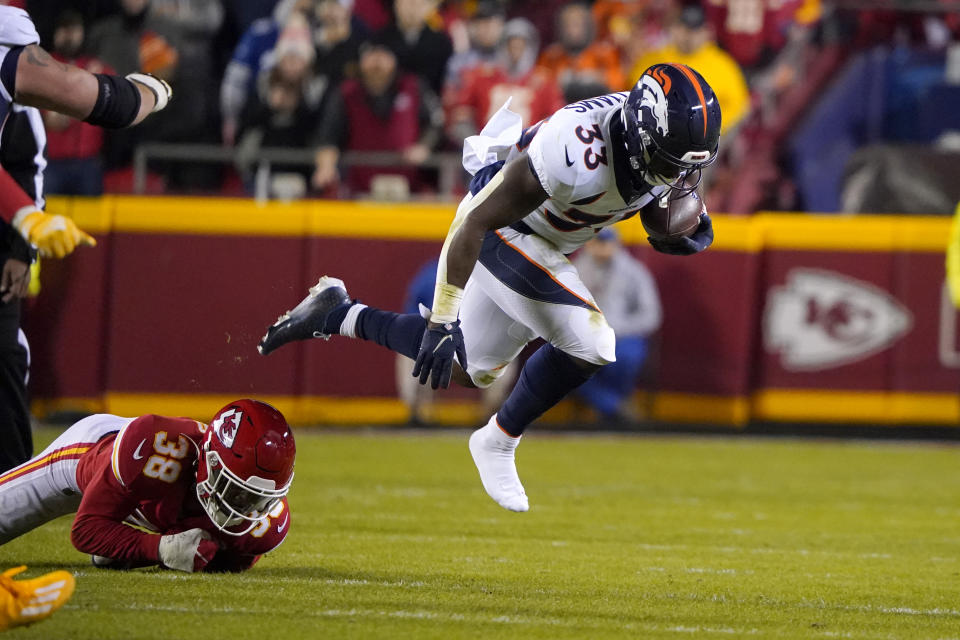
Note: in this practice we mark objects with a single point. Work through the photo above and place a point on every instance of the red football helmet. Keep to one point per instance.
(246, 465)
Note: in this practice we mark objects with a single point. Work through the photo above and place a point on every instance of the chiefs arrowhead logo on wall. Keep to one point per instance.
(225, 426)
(823, 319)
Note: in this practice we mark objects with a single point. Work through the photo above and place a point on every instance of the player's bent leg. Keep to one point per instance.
(45, 487)
(544, 380)
(27, 601)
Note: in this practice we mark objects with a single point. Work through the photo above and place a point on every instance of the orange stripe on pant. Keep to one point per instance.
(66, 453)
(547, 271)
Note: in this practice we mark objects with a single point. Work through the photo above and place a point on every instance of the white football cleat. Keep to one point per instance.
(493, 453)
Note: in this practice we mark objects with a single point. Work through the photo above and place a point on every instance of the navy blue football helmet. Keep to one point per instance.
(671, 125)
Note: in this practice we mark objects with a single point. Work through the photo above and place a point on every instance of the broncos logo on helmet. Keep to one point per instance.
(671, 125)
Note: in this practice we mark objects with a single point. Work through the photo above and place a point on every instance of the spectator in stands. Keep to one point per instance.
(582, 65)
(383, 110)
(136, 40)
(337, 37)
(752, 31)
(634, 28)
(281, 114)
(485, 31)
(419, 48)
(197, 22)
(627, 294)
(484, 88)
(249, 58)
(692, 43)
(542, 13)
(73, 147)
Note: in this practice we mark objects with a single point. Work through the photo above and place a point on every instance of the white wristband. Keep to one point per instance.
(446, 303)
(20, 216)
(161, 90)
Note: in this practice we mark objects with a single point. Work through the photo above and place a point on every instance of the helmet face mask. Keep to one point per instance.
(245, 467)
(233, 505)
(671, 122)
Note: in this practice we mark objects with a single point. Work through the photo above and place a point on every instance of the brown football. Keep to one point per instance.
(679, 218)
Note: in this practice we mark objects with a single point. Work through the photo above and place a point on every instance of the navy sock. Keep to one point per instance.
(334, 319)
(546, 378)
(400, 332)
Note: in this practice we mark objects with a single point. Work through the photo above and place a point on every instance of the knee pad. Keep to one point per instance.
(596, 341)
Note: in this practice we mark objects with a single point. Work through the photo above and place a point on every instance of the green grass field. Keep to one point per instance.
(627, 536)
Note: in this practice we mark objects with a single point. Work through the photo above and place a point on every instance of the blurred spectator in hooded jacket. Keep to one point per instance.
(384, 109)
(135, 40)
(627, 294)
(284, 109)
(692, 43)
(250, 57)
(419, 47)
(513, 74)
(485, 32)
(74, 166)
(582, 65)
(197, 22)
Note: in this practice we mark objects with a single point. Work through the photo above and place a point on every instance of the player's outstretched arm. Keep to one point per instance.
(101, 99)
(509, 196)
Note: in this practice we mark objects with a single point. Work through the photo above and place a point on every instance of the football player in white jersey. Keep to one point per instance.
(503, 277)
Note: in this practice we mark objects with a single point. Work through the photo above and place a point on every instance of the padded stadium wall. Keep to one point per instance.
(788, 317)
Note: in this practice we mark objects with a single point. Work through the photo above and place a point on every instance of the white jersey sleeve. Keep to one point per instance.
(570, 154)
(548, 155)
(16, 28)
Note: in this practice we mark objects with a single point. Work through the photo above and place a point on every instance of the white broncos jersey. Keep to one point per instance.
(571, 155)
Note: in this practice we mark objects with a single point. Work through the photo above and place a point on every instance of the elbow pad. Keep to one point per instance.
(118, 102)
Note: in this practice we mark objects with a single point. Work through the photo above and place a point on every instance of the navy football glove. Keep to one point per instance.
(684, 246)
(437, 347)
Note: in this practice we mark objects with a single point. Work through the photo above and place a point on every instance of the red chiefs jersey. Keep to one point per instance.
(145, 475)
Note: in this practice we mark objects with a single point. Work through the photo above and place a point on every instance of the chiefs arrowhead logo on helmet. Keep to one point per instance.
(246, 465)
(225, 425)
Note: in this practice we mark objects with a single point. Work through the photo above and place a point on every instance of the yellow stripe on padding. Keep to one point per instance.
(431, 221)
(50, 458)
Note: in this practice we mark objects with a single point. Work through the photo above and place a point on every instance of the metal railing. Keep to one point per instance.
(260, 162)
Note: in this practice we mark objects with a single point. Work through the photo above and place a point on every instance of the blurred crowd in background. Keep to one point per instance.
(826, 104)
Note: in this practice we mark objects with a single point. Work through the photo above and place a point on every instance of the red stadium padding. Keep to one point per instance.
(785, 318)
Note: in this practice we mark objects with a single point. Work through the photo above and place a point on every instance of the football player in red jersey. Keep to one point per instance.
(201, 497)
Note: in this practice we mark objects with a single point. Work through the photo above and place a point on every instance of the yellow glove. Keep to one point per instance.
(53, 235)
(26, 601)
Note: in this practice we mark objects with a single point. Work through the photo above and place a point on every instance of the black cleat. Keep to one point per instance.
(308, 318)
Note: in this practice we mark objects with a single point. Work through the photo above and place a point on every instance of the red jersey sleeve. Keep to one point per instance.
(152, 457)
(12, 197)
